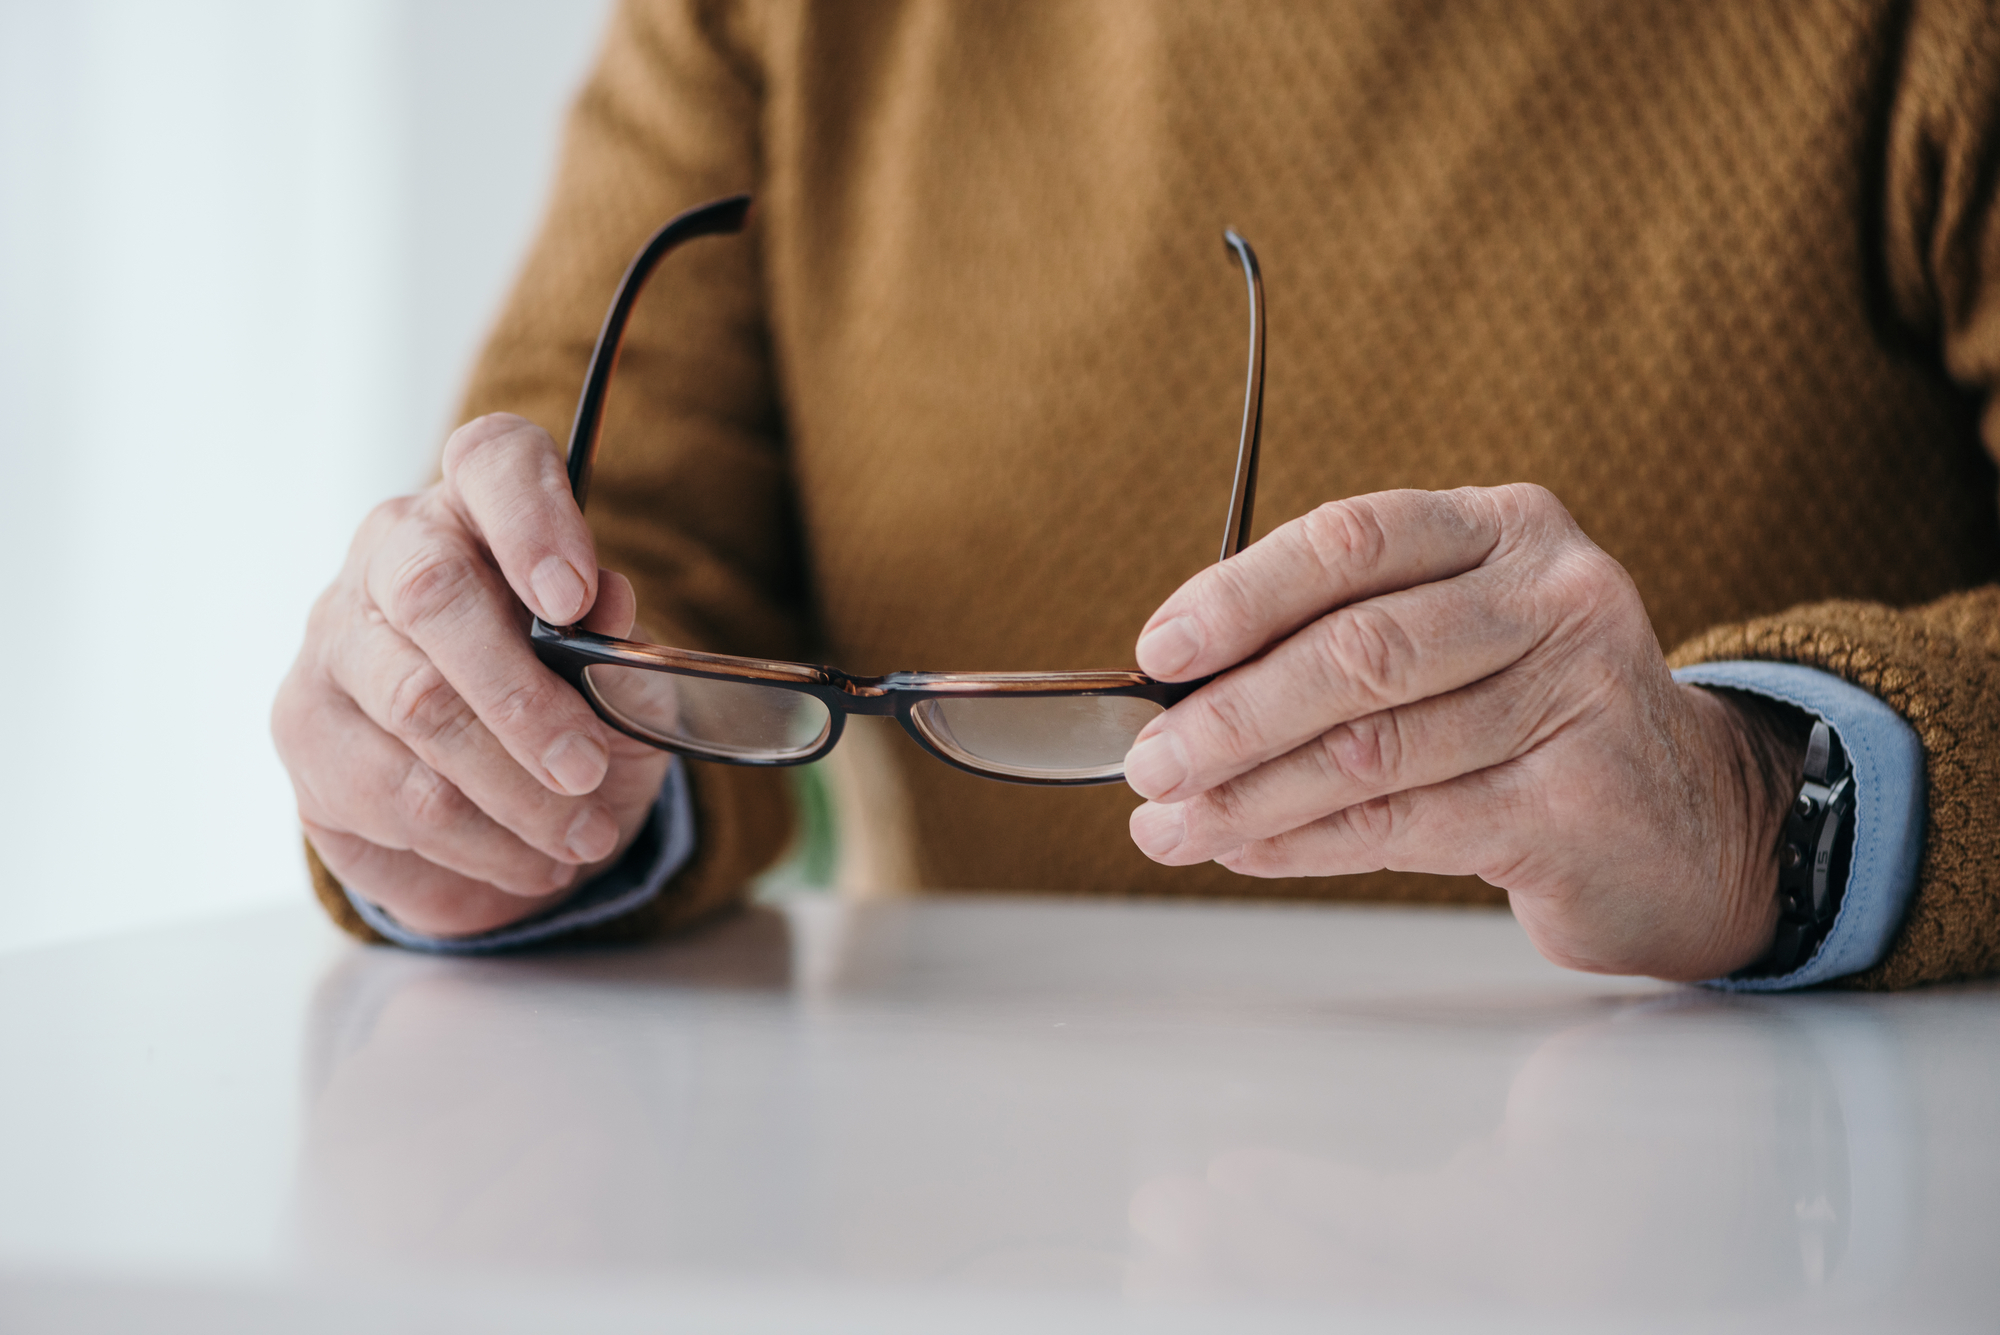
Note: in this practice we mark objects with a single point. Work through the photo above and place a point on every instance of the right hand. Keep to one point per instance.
(442, 772)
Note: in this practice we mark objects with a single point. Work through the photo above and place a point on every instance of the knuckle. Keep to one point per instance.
(382, 518)
(430, 584)
(1532, 498)
(1230, 721)
(1373, 822)
(521, 704)
(424, 708)
(1364, 651)
(1366, 752)
(1586, 581)
(1534, 505)
(1346, 534)
(427, 802)
(1530, 516)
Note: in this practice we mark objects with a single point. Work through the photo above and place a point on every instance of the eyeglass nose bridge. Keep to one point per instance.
(867, 696)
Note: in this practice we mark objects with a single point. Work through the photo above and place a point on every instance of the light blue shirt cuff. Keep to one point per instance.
(1888, 763)
(664, 845)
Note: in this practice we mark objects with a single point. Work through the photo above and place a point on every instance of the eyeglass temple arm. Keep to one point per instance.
(716, 218)
(724, 216)
(1243, 494)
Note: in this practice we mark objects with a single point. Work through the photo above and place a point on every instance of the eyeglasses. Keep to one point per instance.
(1022, 727)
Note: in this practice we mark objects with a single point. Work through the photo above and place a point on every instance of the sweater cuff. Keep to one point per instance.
(1888, 764)
(664, 846)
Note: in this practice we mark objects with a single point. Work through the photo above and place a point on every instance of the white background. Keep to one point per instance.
(247, 250)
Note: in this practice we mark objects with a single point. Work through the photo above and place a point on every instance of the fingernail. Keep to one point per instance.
(592, 835)
(559, 589)
(1169, 647)
(1156, 766)
(577, 763)
(1159, 828)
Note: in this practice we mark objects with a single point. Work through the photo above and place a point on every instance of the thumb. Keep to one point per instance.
(616, 608)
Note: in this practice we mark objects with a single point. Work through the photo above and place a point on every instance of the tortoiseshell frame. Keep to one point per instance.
(568, 650)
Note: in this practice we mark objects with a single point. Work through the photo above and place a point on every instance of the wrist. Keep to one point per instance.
(1773, 737)
(1760, 759)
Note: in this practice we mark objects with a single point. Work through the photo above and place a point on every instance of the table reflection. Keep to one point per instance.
(1693, 1152)
(911, 1093)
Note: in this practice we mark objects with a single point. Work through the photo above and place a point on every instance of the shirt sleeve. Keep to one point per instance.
(1888, 766)
(665, 844)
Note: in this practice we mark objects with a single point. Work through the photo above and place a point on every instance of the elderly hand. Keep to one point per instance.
(441, 771)
(1462, 682)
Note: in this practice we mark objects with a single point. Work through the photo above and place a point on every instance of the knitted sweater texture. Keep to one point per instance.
(1726, 279)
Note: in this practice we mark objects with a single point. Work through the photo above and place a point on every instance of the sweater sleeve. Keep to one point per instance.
(691, 497)
(1937, 665)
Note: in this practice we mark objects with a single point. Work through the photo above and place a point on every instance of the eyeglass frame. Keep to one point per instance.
(569, 650)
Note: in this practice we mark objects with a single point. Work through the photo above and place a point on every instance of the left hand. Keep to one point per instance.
(1463, 683)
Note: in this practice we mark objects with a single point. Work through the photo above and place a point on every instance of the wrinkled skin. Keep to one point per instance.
(441, 771)
(1463, 683)
(1455, 682)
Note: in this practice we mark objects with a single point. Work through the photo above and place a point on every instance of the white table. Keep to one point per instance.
(980, 1114)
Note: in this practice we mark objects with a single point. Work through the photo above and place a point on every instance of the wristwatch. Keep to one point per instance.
(1813, 856)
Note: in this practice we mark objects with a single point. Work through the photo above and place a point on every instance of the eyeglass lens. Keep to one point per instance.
(734, 720)
(1023, 736)
(1037, 736)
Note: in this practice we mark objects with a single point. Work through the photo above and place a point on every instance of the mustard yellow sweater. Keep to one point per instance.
(1725, 278)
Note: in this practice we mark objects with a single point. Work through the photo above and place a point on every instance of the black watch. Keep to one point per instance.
(1813, 856)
